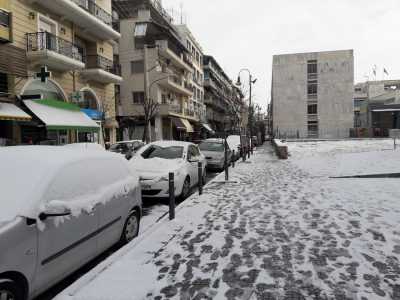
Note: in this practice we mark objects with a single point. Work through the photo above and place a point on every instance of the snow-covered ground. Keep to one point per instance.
(277, 230)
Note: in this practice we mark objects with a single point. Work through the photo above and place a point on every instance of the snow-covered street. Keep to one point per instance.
(275, 231)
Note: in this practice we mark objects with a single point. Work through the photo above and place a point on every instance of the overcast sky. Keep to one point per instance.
(242, 33)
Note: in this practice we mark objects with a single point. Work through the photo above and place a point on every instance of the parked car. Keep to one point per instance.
(57, 213)
(156, 160)
(254, 141)
(127, 148)
(235, 144)
(214, 151)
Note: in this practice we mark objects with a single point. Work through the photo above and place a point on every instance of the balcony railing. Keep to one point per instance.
(189, 112)
(101, 62)
(39, 41)
(95, 10)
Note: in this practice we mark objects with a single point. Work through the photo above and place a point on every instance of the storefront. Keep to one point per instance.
(62, 122)
(10, 116)
(55, 121)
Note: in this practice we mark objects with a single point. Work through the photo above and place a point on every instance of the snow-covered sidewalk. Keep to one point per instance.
(275, 231)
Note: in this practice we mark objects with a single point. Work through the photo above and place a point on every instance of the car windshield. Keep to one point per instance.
(210, 146)
(173, 152)
(118, 147)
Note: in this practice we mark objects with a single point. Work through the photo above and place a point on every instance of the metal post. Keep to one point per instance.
(226, 160)
(394, 143)
(248, 150)
(243, 153)
(233, 159)
(171, 196)
(200, 174)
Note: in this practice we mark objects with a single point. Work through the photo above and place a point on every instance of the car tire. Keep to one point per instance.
(185, 189)
(10, 290)
(131, 227)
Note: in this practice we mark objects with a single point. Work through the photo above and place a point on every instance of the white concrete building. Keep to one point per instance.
(312, 94)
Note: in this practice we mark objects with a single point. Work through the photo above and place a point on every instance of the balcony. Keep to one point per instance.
(176, 84)
(101, 69)
(175, 58)
(5, 26)
(93, 19)
(44, 48)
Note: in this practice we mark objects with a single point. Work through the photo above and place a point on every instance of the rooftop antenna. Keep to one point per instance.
(181, 7)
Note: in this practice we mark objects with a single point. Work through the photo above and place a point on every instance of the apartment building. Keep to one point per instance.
(196, 104)
(312, 94)
(56, 64)
(218, 95)
(157, 67)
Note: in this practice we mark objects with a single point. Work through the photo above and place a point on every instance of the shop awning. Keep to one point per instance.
(207, 127)
(189, 127)
(11, 112)
(179, 124)
(58, 115)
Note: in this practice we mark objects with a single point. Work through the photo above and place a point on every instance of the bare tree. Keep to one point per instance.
(150, 109)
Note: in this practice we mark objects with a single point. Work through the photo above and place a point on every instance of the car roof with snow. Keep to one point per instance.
(26, 172)
(214, 140)
(171, 143)
(131, 141)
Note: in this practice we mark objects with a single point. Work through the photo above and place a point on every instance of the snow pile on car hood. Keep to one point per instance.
(155, 165)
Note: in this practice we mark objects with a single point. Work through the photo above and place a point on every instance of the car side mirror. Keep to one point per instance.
(194, 159)
(52, 211)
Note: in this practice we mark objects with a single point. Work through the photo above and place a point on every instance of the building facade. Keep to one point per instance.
(157, 68)
(218, 95)
(312, 94)
(61, 51)
(376, 108)
(196, 102)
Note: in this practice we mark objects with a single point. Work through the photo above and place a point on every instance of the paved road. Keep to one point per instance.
(153, 210)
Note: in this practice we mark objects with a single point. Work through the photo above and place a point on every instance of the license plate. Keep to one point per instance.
(146, 187)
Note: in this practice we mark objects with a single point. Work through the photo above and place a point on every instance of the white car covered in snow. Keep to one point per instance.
(60, 208)
(156, 160)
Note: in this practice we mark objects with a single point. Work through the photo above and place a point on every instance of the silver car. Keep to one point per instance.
(214, 151)
(60, 208)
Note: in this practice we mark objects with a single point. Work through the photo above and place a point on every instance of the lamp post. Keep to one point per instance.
(251, 82)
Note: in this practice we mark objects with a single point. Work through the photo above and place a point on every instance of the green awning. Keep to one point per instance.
(59, 115)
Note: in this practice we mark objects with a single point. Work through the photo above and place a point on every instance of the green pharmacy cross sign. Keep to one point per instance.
(43, 74)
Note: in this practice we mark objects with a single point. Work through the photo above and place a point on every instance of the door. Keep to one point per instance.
(114, 211)
(47, 34)
(67, 243)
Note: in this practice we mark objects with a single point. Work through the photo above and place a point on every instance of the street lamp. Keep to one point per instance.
(251, 82)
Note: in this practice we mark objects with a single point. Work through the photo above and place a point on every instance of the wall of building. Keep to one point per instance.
(334, 100)
(25, 18)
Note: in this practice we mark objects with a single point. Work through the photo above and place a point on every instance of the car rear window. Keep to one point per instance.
(209, 146)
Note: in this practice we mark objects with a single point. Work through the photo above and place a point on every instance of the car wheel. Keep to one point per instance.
(131, 228)
(9, 290)
(185, 189)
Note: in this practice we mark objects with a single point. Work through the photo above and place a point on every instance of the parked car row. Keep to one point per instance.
(63, 206)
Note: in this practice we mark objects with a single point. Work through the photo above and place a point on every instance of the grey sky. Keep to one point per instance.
(247, 33)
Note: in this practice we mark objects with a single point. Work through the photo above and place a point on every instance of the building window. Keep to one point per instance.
(3, 85)
(137, 67)
(312, 127)
(164, 99)
(312, 67)
(312, 109)
(138, 97)
(140, 29)
(312, 89)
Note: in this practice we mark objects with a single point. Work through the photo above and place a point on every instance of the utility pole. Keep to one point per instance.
(147, 128)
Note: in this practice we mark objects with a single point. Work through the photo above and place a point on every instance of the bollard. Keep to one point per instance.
(251, 149)
(243, 154)
(233, 158)
(226, 167)
(171, 196)
(248, 152)
(200, 174)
